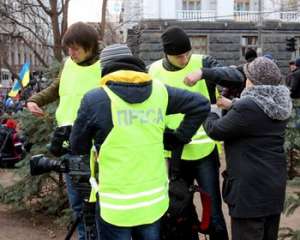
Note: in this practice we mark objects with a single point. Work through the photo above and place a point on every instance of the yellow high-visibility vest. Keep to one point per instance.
(75, 81)
(201, 145)
(133, 181)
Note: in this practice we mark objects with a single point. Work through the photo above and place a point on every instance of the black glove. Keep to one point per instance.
(171, 140)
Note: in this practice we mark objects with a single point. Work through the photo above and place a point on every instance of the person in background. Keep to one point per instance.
(125, 119)
(253, 134)
(250, 55)
(292, 65)
(290, 75)
(269, 56)
(79, 74)
(292, 133)
(201, 159)
(232, 92)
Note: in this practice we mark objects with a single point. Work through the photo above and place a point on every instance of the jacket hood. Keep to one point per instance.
(275, 101)
(131, 86)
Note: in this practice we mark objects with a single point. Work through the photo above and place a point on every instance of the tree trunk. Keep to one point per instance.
(103, 19)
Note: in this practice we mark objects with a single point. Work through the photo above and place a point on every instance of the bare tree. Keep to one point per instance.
(103, 18)
(37, 24)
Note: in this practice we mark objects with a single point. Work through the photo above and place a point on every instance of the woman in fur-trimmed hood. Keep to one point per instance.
(253, 135)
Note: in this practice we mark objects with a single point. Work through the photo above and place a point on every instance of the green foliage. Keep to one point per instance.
(53, 70)
(291, 204)
(39, 193)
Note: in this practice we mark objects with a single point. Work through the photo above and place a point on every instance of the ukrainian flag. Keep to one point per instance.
(24, 77)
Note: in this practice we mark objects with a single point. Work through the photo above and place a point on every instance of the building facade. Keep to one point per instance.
(224, 29)
(227, 41)
(212, 10)
(18, 46)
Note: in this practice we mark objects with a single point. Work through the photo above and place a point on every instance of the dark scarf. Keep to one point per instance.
(90, 61)
(169, 66)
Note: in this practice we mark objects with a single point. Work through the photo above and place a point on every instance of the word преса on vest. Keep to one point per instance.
(151, 115)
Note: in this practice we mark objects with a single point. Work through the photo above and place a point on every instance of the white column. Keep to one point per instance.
(205, 5)
(151, 9)
(225, 9)
(271, 9)
(168, 9)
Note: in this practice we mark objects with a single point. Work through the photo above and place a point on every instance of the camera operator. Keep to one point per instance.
(79, 74)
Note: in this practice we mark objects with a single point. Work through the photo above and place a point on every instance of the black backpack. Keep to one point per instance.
(181, 219)
(6, 141)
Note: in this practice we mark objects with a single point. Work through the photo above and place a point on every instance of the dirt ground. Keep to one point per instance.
(23, 225)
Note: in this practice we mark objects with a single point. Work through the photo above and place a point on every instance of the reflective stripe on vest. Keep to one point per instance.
(201, 145)
(75, 81)
(93, 181)
(133, 182)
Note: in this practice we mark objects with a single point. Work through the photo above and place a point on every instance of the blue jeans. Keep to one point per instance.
(107, 231)
(76, 203)
(206, 172)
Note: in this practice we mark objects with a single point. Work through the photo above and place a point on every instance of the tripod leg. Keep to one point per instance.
(73, 227)
(89, 221)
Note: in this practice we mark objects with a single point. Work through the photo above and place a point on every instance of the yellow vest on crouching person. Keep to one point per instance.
(75, 81)
(133, 181)
(201, 145)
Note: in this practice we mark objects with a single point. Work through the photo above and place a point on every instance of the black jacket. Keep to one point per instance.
(94, 119)
(294, 81)
(214, 74)
(255, 178)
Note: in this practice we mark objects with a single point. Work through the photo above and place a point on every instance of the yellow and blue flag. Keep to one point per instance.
(24, 77)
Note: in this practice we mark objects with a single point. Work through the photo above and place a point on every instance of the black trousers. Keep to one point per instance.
(262, 228)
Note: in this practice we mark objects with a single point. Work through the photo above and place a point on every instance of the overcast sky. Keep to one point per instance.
(84, 10)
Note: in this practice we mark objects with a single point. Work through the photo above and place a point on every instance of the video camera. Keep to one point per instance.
(77, 166)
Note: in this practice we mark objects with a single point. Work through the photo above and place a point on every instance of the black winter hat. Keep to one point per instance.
(250, 55)
(124, 63)
(175, 41)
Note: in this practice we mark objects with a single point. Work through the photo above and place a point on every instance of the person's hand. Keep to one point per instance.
(35, 109)
(224, 103)
(192, 78)
(171, 140)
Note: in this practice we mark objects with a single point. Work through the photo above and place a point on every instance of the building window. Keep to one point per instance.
(242, 5)
(289, 5)
(191, 4)
(248, 42)
(199, 44)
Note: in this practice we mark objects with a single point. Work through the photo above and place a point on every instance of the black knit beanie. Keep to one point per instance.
(124, 63)
(175, 41)
(250, 55)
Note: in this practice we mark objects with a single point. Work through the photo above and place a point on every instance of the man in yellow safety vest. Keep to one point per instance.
(125, 119)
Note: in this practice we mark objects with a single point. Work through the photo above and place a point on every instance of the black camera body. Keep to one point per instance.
(77, 166)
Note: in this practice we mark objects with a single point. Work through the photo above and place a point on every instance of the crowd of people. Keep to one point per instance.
(130, 118)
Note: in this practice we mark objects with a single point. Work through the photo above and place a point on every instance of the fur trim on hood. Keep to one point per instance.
(275, 101)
